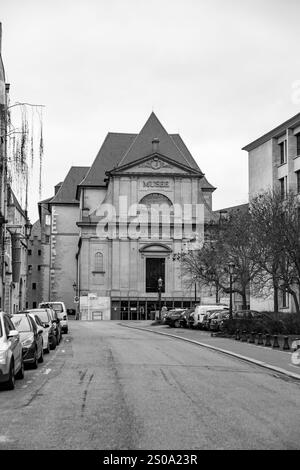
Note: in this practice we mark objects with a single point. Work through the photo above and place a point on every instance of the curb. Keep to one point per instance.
(265, 365)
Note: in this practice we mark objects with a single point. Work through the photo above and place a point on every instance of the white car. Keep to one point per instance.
(60, 309)
(45, 333)
(201, 311)
(11, 358)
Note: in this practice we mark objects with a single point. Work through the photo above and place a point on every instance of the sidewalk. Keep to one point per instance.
(272, 359)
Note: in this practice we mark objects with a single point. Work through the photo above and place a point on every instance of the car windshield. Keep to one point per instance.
(43, 316)
(21, 323)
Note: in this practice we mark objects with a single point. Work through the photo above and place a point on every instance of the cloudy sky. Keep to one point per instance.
(219, 72)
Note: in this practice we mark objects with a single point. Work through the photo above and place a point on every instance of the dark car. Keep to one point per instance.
(186, 319)
(31, 337)
(173, 317)
(44, 316)
(217, 319)
(55, 321)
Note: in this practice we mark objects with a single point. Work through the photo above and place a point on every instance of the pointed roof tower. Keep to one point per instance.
(153, 136)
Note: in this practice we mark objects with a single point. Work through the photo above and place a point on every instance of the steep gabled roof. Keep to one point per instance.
(142, 144)
(119, 149)
(111, 151)
(67, 192)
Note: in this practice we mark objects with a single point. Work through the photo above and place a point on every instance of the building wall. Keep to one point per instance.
(265, 172)
(34, 287)
(124, 263)
(63, 249)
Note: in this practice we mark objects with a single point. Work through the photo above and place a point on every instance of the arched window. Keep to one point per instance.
(98, 261)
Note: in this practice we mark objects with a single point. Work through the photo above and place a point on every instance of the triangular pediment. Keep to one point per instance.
(155, 164)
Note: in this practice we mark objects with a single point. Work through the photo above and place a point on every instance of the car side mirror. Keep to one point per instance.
(13, 334)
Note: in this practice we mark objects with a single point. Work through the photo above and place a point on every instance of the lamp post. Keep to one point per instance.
(231, 267)
(160, 283)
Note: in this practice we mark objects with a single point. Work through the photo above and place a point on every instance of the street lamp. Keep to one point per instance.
(231, 267)
(160, 283)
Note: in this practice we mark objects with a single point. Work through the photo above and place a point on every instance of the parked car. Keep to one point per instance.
(173, 317)
(11, 358)
(201, 311)
(61, 311)
(187, 319)
(48, 329)
(56, 324)
(249, 320)
(217, 319)
(31, 336)
(44, 314)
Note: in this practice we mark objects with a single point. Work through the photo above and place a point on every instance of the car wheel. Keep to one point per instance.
(10, 384)
(47, 350)
(66, 331)
(20, 374)
(177, 324)
(53, 343)
(35, 361)
(41, 358)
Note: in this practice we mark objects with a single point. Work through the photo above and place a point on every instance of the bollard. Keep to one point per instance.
(244, 336)
(237, 335)
(286, 345)
(252, 337)
(268, 340)
(275, 341)
(260, 339)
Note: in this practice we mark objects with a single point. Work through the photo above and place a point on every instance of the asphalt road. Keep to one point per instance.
(111, 387)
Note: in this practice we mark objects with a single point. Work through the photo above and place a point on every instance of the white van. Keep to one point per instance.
(201, 311)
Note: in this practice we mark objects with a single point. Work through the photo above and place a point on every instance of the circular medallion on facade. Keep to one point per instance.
(155, 164)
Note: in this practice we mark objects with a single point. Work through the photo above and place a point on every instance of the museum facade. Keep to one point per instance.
(118, 226)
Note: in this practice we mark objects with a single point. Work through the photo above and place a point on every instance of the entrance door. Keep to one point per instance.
(155, 268)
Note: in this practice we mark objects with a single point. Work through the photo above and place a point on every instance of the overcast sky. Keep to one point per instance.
(219, 72)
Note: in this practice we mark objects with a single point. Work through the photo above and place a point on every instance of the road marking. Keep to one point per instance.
(47, 371)
(24, 386)
(29, 382)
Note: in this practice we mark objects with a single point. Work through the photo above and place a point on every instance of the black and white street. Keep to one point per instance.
(110, 387)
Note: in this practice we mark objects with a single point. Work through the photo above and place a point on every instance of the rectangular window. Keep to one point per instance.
(39, 252)
(155, 269)
(298, 181)
(33, 304)
(29, 268)
(33, 286)
(282, 147)
(284, 299)
(298, 144)
(47, 220)
(29, 252)
(39, 267)
(47, 238)
(282, 188)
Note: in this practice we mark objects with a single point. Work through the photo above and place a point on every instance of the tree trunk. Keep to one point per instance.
(244, 297)
(217, 293)
(275, 296)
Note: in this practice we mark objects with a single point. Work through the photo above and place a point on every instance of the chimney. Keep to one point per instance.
(155, 145)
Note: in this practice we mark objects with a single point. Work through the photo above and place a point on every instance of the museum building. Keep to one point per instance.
(123, 259)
